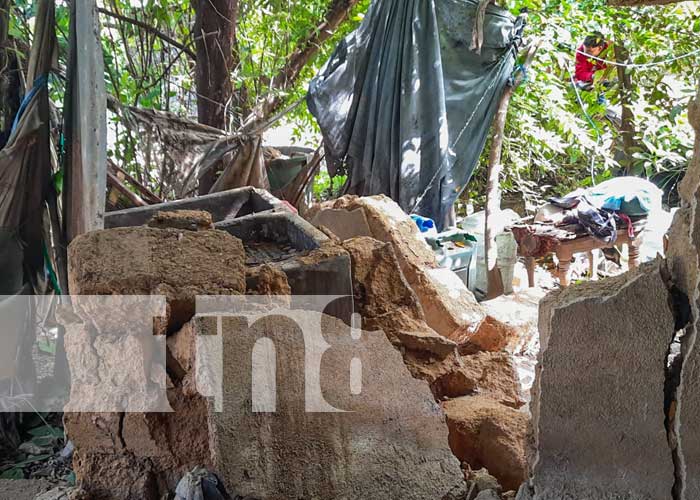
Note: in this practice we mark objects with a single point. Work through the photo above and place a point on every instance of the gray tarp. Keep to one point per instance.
(407, 105)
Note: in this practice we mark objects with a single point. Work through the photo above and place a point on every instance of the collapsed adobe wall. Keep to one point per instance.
(397, 444)
(475, 379)
(132, 454)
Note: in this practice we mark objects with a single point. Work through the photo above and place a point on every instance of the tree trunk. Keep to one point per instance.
(627, 130)
(495, 168)
(10, 83)
(215, 42)
(493, 196)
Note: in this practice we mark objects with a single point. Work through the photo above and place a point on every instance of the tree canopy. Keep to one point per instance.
(224, 61)
(557, 138)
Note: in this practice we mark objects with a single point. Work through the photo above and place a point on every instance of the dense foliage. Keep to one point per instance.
(556, 142)
(556, 138)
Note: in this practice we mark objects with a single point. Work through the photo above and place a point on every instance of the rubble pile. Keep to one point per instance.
(450, 309)
(421, 402)
(399, 289)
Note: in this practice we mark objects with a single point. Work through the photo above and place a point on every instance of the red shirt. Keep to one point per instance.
(586, 67)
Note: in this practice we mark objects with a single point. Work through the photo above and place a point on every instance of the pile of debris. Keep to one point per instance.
(446, 336)
(378, 428)
(133, 454)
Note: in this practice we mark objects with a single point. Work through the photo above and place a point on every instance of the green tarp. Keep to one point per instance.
(406, 105)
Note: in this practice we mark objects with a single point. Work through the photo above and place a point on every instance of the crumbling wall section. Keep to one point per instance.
(478, 389)
(598, 402)
(450, 308)
(137, 454)
(682, 255)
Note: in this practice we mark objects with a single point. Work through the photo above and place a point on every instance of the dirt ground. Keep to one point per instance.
(23, 489)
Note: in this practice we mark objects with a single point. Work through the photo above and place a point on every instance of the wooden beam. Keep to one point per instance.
(150, 196)
(86, 131)
(113, 180)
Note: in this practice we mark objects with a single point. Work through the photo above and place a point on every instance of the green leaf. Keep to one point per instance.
(46, 430)
(46, 346)
(33, 459)
(12, 473)
(44, 440)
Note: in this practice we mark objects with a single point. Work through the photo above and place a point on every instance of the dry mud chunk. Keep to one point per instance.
(485, 433)
(190, 220)
(486, 374)
(148, 261)
(450, 309)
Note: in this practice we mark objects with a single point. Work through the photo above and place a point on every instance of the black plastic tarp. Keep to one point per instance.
(405, 103)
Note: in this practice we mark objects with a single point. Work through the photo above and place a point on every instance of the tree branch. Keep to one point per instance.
(338, 12)
(639, 3)
(150, 29)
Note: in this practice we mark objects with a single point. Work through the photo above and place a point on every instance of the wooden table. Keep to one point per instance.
(565, 244)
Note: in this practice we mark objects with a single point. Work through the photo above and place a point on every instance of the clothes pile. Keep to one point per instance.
(602, 210)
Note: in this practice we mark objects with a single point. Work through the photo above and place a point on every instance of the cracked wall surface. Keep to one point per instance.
(684, 242)
(616, 409)
(599, 397)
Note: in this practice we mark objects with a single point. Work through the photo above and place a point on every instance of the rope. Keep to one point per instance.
(641, 65)
(450, 149)
(39, 83)
(590, 120)
(478, 104)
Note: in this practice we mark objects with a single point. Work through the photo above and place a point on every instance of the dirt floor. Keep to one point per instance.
(23, 489)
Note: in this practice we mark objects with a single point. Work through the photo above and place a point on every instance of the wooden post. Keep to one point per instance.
(85, 166)
(627, 129)
(493, 196)
(85, 163)
(493, 189)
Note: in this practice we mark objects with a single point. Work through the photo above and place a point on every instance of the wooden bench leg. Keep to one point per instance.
(530, 266)
(564, 265)
(593, 265)
(633, 252)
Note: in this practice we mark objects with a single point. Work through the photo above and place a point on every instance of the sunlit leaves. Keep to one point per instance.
(548, 108)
